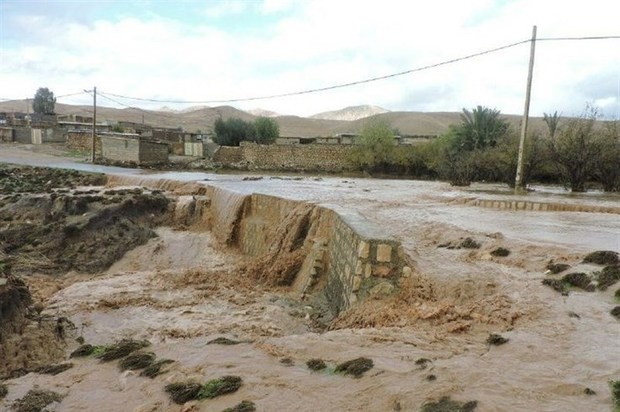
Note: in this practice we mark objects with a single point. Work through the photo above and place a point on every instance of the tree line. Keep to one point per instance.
(231, 132)
(576, 152)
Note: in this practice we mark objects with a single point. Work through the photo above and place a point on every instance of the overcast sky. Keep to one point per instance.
(216, 50)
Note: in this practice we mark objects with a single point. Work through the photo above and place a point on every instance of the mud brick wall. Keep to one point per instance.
(133, 150)
(152, 152)
(83, 142)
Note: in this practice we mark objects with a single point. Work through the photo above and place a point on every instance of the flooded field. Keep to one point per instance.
(469, 322)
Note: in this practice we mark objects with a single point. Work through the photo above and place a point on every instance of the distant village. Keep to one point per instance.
(141, 143)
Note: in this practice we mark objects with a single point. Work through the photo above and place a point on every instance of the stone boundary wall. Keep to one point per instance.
(538, 206)
(307, 157)
(83, 142)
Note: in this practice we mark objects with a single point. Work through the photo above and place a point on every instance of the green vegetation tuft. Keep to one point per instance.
(615, 394)
(154, 369)
(84, 350)
(496, 339)
(607, 277)
(220, 386)
(579, 280)
(53, 369)
(500, 252)
(602, 257)
(137, 361)
(181, 392)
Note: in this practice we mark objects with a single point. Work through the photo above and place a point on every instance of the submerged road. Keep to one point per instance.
(396, 205)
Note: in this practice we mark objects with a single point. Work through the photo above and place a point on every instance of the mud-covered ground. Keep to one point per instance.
(474, 323)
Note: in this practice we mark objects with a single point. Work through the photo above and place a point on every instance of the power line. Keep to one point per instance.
(322, 89)
(373, 79)
(159, 114)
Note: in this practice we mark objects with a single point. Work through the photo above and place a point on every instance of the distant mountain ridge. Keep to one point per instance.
(351, 113)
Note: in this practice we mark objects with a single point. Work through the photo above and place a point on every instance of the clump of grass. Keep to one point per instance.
(3, 390)
(602, 257)
(137, 361)
(181, 392)
(84, 350)
(243, 406)
(431, 378)
(589, 391)
(500, 252)
(615, 312)
(36, 400)
(608, 276)
(287, 361)
(615, 394)
(355, 367)
(154, 369)
(617, 295)
(496, 339)
(220, 386)
(121, 349)
(54, 369)
(579, 280)
(446, 404)
(316, 364)
(223, 341)
(469, 243)
(556, 268)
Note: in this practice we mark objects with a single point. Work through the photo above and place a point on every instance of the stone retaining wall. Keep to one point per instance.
(538, 206)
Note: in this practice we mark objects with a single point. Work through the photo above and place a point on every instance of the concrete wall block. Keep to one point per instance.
(384, 253)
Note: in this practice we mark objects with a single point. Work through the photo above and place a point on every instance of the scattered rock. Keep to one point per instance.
(469, 243)
(422, 363)
(589, 391)
(556, 268)
(445, 404)
(617, 294)
(607, 277)
(431, 378)
(220, 386)
(181, 392)
(355, 367)
(243, 406)
(287, 361)
(579, 280)
(572, 314)
(316, 364)
(615, 312)
(602, 257)
(154, 369)
(500, 252)
(3, 390)
(137, 361)
(496, 339)
(53, 369)
(223, 341)
(36, 400)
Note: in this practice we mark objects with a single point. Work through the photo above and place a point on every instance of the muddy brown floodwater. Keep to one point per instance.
(182, 289)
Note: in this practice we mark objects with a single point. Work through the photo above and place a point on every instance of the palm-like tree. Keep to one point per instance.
(480, 128)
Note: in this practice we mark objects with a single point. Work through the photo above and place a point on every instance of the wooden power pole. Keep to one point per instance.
(94, 135)
(519, 179)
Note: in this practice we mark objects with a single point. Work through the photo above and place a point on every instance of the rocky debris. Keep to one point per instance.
(579, 280)
(223, 341)
(469, 243)
(496, 339)
(243, 406)
(602, 257)
(615, 312)
(445, 404)
(556, 268)
(500, 252)
(3, 390)
(18, 179)
(36, 401)
(355, 367)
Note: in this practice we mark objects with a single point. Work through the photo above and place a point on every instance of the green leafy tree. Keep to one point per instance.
(232, 131)
(607, 166)
(44, 101)
(375, 146)
(575, 150)
(267, 130)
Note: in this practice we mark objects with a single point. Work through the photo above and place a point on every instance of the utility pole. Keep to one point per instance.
(94, 136)
(519, 179)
